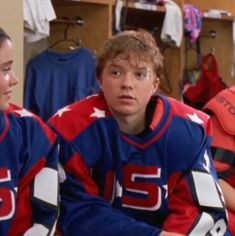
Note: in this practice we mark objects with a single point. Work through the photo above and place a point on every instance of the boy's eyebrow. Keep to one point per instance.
(115, 64)
(143, 68)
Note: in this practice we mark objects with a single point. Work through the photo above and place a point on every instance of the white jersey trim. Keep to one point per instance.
(46, 186)
(206, 190)
(37, 229)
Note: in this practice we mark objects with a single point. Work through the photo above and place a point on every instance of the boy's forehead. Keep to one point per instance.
(132, 59)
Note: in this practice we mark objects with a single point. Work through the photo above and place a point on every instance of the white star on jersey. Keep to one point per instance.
(92, 95)
(61, 111)
(207, 162)
(195, 118)
(98, 113)
(165, 186)
(24, 113)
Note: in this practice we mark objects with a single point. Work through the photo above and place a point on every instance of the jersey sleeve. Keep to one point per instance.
(82, 210)
(195, 199)
(37, 194)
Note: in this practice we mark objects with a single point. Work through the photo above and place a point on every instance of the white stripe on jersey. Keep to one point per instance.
(206, 190)
(46, 186)
(37, 229)
(206, 226)
(62, 174)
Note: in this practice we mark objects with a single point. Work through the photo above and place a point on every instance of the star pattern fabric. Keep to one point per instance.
(61, 111)
(24, 113)
(98, 113)
(195, 118)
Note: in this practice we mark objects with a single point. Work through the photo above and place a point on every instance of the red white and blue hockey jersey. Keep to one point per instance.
(113, 183)
(28, 174)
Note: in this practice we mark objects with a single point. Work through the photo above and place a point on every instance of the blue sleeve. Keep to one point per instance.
(29, 100)
(87, 83)
(92, 82)
(39, 176)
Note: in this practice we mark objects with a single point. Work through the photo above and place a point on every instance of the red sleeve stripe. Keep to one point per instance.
(77, 168)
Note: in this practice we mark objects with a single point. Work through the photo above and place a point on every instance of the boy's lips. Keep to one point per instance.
(125, 97)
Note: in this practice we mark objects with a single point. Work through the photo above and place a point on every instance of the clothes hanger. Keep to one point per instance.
(67, 43)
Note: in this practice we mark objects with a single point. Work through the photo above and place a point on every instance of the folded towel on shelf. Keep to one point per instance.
(118, 12)
(172, 29)
(214, 13)
(37, 15)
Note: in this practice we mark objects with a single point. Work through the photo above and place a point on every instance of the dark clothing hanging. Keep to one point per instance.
(56, 79)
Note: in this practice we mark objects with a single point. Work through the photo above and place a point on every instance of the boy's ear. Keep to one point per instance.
(156, 83)
(100, 83)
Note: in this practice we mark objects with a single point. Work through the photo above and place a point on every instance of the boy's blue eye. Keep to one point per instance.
(142, 75)
(115, 73)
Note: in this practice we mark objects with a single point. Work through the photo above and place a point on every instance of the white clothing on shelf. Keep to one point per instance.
(172, 29)
(37, 16)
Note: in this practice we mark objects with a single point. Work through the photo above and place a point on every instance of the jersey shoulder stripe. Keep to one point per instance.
(186, 112)
(71, 120)
(23, 114)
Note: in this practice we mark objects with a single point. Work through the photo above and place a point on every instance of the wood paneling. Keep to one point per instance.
(205, 5)
(97, 17)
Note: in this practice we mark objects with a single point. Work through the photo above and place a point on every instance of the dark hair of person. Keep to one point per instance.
(3, 36)
(140, 44)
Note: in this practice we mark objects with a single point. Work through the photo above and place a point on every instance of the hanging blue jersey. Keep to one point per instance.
(56, 79)
(113, 183)
(28, 174)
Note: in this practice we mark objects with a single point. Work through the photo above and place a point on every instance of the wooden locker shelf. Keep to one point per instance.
(102, 2)
(158, 8)
(224, 18)
(97, 17)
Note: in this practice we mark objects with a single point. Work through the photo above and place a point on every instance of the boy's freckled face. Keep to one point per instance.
(128, 85)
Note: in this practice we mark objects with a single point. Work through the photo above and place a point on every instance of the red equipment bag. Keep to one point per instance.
(207, 86)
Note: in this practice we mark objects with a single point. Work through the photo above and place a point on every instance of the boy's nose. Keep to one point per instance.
(127, 80)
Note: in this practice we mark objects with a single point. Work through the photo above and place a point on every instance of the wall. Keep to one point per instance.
(11, 20)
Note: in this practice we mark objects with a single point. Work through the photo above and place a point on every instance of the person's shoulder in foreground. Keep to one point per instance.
(28, 163)
(222, 113)
(133, 162)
